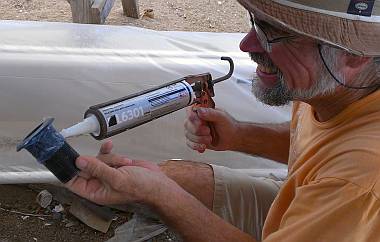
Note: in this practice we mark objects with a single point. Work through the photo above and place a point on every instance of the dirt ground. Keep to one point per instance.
(43, 225)
(182, 15)
(194, 15)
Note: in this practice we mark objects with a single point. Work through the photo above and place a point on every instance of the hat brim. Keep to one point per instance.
(356, 35)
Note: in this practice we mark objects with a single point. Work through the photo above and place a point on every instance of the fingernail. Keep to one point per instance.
(81, 163)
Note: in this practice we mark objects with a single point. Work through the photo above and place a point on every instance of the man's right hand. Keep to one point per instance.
(198, 132)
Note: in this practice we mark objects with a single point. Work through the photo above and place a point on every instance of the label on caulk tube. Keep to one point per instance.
(135, 111)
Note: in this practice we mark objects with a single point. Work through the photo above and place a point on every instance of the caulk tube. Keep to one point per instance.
(90, 125)
(51, 150)
(128, 112)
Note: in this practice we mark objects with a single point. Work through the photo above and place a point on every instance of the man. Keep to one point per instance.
(324, 55)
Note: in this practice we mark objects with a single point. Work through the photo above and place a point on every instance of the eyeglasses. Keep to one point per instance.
(269, 35)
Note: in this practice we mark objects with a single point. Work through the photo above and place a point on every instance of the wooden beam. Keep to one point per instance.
(101, 9)
(80, 10)
(131, 8)
(90, 11)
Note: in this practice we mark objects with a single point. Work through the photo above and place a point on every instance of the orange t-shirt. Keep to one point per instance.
(333, 189)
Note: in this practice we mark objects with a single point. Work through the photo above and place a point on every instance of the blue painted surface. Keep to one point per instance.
(44, 144)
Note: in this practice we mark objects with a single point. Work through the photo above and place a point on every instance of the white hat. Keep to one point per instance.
(353, 25)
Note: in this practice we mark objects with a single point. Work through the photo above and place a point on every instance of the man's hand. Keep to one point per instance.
(116, 179)
(198, 133)
(105, 154)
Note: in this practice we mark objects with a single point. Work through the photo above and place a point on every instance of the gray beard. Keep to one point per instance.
(280, 94)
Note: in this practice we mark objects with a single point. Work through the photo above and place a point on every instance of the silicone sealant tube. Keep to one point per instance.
(51, 150)
(120, 115)
(111, 118)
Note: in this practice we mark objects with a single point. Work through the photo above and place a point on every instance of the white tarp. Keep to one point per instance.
(60, 69)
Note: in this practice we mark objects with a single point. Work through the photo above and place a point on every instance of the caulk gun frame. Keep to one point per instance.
(166, 84)
(194, 82)
(231, 71)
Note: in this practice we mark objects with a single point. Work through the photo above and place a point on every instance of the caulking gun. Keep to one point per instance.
(110, 118)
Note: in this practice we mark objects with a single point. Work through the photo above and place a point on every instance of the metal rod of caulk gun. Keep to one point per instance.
(229, 74)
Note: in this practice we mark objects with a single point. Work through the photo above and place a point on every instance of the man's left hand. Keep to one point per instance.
(115, 179)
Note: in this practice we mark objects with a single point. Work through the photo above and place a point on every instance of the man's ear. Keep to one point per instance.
(352, 65)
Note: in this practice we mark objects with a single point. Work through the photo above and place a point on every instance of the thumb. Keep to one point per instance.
(209, 114)
(96, 168)
(106, 147)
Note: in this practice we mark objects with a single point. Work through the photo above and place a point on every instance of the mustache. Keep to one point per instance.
(263, 60)
(267, 62)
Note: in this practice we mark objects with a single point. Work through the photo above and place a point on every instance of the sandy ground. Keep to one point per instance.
(194, 15)
(43, 226)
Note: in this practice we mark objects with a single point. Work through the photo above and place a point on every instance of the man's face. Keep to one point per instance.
(292, 70)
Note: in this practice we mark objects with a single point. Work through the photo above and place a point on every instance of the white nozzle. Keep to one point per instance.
(89, 125)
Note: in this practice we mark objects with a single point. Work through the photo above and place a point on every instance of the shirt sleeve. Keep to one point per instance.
(330, 209)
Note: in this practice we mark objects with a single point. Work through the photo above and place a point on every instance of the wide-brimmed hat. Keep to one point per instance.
(353, 25)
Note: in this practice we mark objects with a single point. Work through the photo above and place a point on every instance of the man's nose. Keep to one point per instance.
(250, 43)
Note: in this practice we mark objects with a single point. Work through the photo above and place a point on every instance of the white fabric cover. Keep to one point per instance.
(60, 69)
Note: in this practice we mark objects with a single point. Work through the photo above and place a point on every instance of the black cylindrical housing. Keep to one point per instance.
(62, 163)
(50, 149)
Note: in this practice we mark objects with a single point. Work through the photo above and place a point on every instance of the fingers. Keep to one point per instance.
(115, 160)
(197, 142)
(209, 114)
(197, 131)
(196, 146)
(195, 125)
(200, 139)
(87, 188)
(106, 147)
(84, 175)
(95, 168)
(110, 159)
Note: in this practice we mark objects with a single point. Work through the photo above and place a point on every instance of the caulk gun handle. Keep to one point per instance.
(214, 134)
(207, 102)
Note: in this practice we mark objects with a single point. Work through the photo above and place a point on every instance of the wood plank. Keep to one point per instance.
(90, 11)
(100, 10)
(80, 10)
(131, 8)
(95, 216)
